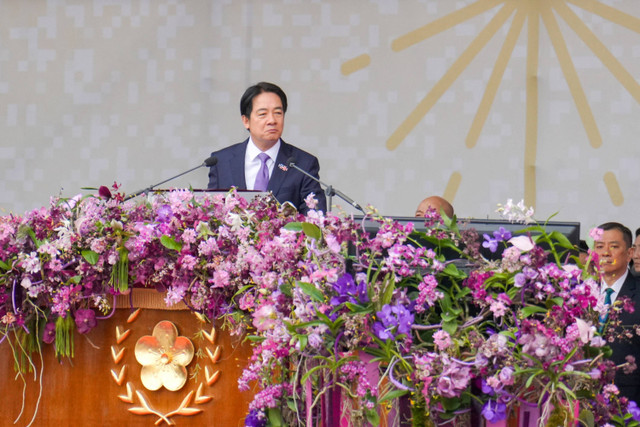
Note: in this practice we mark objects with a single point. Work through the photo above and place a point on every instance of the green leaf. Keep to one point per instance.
(451, 404)
(557, 301)
(532, 377)
(170, 243)
(445, 303)
(393, 394)
(389, 288)
(312, 230)
(275, 417)
(313, 292)
(5, 266)
(316, 322)
(450, 327)
(449, 317)
(307, 374)
(75, 279)
(566, 390)
(90, 256)
(304, 340)
(531, 309)
(293, 226)
(561, 239)
(287, 289)
(454, 271)
(355, 308)
(586, 417)
(372, 417)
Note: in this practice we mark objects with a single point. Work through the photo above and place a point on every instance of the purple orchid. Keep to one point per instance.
(349, 291)
(49, 334)
(502, 234)
(85, 320)
(494, 411)
(490, 243)
(395, 317)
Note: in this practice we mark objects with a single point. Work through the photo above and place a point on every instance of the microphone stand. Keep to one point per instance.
(329, 191)
(209, 162)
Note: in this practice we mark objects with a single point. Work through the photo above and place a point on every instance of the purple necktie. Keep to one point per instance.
(262, 180)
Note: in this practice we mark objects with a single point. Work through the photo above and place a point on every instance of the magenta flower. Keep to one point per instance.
(596, 233)
(104, 192)
(85, 320)
(442, 340)
(49, 334)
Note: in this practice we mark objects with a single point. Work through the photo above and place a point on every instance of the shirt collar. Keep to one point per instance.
(253, 151)
(617, 285)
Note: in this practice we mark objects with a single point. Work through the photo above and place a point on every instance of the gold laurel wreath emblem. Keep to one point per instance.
(146, 407)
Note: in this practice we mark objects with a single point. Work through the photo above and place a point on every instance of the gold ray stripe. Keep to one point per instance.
(570, 75)
(599, 49)
(531, 132)
(609, 13)
(450, 76)
(496, 77)
(443, 24)
(452, 187)
(611, 182)
(355, 64)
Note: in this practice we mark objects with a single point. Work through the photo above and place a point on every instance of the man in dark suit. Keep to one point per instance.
(261, 161)
(614, 253)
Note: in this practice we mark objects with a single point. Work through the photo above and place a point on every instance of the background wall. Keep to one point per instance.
(388, 94)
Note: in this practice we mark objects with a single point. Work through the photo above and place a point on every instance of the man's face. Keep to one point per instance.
(613, 253)
(266, 121)
(636, 254)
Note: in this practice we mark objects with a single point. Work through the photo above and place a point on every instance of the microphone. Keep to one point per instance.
(209, 162)
(329, 190)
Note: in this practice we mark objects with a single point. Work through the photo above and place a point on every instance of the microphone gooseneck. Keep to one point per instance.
(209, 162)
(329, 190)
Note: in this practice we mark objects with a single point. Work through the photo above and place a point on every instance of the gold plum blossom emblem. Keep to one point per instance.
(164, 357)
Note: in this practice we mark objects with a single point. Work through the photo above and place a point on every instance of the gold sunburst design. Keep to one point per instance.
(529, 14)
(145, 404)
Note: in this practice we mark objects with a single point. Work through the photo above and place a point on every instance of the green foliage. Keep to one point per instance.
(170, 243)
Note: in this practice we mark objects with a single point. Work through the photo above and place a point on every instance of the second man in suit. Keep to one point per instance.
(614, 253)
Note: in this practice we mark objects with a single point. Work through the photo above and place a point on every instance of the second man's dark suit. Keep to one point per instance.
(628, 384)
(286, 183)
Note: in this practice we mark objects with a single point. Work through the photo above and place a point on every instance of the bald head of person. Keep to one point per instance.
(434, 202)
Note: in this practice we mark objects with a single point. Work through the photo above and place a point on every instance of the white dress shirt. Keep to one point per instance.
(252, 163)
(617, 285)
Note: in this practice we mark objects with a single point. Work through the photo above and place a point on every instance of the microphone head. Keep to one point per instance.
(291, 161)
(211, 161)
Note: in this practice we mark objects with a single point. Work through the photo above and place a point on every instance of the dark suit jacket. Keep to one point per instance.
(629, 384)
(286, 185)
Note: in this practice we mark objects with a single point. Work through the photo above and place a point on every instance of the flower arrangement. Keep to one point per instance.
(337, 318)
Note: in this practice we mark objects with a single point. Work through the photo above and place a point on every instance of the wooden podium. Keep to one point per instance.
(101, 385)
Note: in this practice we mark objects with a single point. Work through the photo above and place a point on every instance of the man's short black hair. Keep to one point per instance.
(246, 102)
(637, 232)
(626, 233)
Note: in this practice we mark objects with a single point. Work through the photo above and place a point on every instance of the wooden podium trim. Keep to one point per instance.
(147, 298)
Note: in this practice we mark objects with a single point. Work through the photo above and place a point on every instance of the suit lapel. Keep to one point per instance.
(629, 287)
(630, 290)
(237, 165)
(278, 175)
